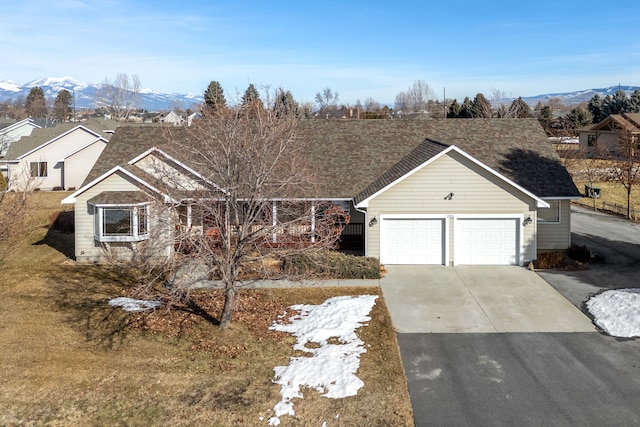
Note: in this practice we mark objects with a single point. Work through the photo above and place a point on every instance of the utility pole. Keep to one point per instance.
(444, 100)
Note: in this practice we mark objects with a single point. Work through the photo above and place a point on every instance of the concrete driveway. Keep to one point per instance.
(476, 299)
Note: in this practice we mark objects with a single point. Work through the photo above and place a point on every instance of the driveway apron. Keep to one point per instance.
(476, 299)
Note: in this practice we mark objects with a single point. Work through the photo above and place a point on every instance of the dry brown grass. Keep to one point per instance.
(611, 192)
(69, 359)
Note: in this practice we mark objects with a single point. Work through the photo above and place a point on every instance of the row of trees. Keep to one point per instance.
(118, 98)
(36, 105)
(600, 108)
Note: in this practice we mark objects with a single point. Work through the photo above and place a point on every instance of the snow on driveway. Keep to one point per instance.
(617, 312)
(330, 368)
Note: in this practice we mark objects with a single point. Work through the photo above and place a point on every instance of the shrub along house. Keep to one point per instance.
(449, 192)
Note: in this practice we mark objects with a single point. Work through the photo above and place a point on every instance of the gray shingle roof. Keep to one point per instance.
(355, 158)
(119, 198)
(41, 136)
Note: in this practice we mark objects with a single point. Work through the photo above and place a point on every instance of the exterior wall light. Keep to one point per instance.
(373, 222)
(527, 221)
(448, 196)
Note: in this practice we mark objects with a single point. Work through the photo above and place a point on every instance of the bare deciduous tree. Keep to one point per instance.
(626, 169)
(327, 99)
(252, 205)
(15, 216)
(588, 165)
(120, 96)
(416, 99)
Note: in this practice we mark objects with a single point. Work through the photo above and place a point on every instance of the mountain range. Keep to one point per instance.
(150, 100)
(85, 94)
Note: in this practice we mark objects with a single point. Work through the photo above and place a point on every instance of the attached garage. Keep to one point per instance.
(487, 241)
(413, 241)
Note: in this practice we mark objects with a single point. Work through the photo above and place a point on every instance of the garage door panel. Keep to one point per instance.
(490, 241)
(412, 241)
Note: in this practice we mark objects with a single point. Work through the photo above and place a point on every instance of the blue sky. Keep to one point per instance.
(360, 49)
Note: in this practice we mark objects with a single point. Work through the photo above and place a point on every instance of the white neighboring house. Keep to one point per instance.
(56, 158)
(172, 118)
(12, 132)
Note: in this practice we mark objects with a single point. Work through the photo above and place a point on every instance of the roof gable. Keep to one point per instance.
(421, 157)
(614, 122)
(161, 165)
(351, 155)
(118, 169)
(13, 126)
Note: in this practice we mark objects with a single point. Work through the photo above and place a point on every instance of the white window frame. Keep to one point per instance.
(41, 169)
(549, 209)
(137, 232)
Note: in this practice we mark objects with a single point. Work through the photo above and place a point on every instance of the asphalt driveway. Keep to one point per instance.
(476, 299)
(616, 243)
(522, 378)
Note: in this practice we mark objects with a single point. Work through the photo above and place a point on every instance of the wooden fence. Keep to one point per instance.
(621, 210)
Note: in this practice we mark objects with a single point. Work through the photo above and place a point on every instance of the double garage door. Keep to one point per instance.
(477, 241)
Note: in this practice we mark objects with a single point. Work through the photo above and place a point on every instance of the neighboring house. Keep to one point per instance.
(172, 118)
(58, 157)
(192, 117)
(12, 131)
(449, 192)
(605, 135)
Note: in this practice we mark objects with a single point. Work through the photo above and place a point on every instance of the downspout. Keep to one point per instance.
(364, 227)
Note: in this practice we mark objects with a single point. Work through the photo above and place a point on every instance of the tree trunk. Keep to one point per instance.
(227, 309)
(629, 202)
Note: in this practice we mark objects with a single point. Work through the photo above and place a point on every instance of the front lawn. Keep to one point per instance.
(69, 358)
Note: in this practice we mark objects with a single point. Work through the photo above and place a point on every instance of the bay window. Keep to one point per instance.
(121, 223)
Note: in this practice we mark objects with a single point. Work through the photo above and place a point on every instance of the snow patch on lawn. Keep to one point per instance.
(331, 362)
(133, 305)
(617, 312)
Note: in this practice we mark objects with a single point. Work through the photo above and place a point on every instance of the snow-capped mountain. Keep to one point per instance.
(85, 93)
(573, 98)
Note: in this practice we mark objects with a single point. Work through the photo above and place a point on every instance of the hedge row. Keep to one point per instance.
(330, 264)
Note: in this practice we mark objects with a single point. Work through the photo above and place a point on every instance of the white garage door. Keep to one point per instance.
(412, 241)
(490, 241)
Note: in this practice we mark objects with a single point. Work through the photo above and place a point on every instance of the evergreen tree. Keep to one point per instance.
(62, 105)
(579, 117)
(596, 109)
(520, 109)
(36, 105)
(481, 107)
(616, 104)
(544, 117)
(455, 110)
(634, 102)
(250, 95)
(466, 112)
(214, 99)
(284, 104)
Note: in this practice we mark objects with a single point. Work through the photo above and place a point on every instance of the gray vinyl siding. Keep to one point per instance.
(475, 192)
(87, 249)
(556, 236)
